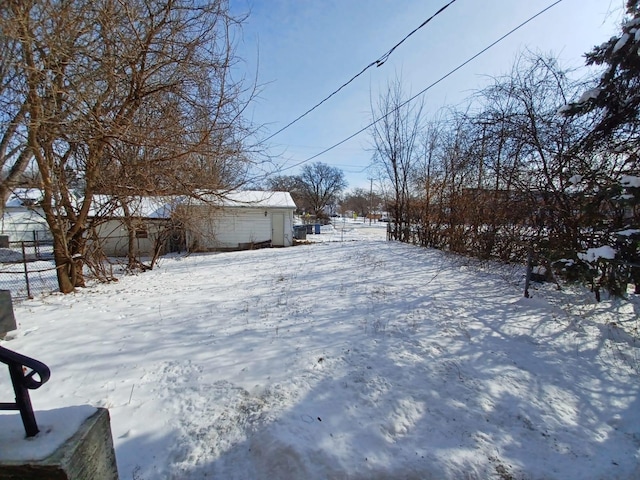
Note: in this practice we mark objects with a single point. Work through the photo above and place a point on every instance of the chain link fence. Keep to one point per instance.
(27, 268)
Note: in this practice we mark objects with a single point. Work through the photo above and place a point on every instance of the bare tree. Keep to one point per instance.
(320, 185)
(362, 201)
(524, 166)
(287, 183)
(14, 154)
(101, 74)
(502, 179)
(396, 149)
(429, 184)
(205, 164)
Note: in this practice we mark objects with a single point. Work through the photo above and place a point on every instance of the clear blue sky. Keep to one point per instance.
(302, 50)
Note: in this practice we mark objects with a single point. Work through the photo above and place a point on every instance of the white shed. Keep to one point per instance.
(240, 220)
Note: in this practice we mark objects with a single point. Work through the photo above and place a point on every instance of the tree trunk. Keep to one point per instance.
(64, 265)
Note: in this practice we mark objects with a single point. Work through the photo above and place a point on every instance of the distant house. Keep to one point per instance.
(23, 219)
(239, 220)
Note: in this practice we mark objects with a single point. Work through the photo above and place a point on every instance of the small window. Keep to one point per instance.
(141, 232)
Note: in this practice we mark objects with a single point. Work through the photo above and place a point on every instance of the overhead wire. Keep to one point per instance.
(377, 63)
(423, 91)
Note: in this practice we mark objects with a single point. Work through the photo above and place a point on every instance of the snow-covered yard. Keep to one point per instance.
(344, 359)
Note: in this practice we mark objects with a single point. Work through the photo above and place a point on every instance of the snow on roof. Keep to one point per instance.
(104, 205)
(21, 197)
(143, 207)
(251, 199)
(163, 206)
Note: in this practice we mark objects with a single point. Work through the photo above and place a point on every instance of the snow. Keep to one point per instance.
(632, 22)
(591, 94)
(621, 42)
(19, 196)
(630, 181)
(144, 207)
(564, 109)
(575, 179)
(628, 232)
(10, 256)
(163, 206)
(593, 254)
(250, 198)
(348, 357)
(55, 427)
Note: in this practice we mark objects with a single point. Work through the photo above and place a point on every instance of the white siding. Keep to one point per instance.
(21, 223)
(234, 228)
(115, 240)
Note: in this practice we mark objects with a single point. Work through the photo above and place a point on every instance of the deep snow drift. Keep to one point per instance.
(343, 359)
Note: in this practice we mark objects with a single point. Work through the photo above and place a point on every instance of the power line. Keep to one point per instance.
(469, 60)
(378, 63)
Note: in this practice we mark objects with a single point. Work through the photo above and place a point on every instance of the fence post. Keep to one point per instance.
(527, 279)
(36, 247)
(26, 271)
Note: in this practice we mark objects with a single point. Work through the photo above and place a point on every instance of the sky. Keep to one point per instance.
(350, 357)
(301, 51)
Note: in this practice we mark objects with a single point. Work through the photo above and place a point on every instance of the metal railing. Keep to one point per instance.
(26, 374)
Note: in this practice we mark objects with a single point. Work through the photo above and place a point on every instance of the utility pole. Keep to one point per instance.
(370, 200)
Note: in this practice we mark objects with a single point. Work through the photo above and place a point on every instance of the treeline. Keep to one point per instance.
(535, 163)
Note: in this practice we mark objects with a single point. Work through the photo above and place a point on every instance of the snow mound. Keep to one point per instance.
(594, 254)
(10, 256)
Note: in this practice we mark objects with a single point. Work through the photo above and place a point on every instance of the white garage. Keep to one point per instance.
(239, 220)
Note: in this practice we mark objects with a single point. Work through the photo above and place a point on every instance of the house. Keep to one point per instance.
(239, 220)
(23, 219)
(149, 219)
(232, 221)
